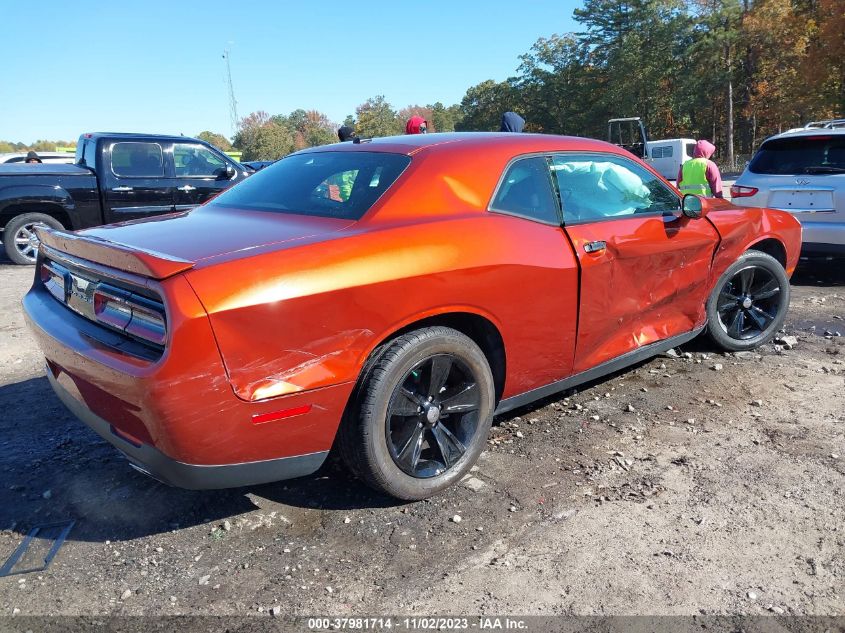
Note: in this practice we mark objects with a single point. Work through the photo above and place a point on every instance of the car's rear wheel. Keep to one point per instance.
(422, 416)
(749, 302)
(19, 237)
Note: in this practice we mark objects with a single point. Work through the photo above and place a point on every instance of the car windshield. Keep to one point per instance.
(823, 154)
(327, 184)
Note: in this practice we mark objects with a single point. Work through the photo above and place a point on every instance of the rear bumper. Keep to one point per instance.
(176, 416)
(823, 236)
(192, 476)
(820, 230)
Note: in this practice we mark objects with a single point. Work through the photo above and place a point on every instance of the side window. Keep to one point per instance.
(598, 187)
(526, 190)
(662, 151)
(196, 161)
(690, 149)
(137, 160)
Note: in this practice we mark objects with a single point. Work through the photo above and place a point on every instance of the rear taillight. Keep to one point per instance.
(136, 315)
(112, 307)
(738, 191)
(54, 278)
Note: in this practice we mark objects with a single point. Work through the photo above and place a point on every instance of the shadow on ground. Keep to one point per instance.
(820, 272)
(54, 468)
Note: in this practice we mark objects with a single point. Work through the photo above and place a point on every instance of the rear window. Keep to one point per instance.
(86, 153)
(823, 154)
(327, 184)
(138, 160)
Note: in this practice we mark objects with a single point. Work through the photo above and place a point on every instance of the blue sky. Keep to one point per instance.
(156, 66)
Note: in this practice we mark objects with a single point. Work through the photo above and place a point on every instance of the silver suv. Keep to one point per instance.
(802, 171)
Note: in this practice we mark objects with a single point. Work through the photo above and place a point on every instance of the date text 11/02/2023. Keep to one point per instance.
(485, 623)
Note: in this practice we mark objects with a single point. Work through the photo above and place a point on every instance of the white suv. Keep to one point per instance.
(802, 171)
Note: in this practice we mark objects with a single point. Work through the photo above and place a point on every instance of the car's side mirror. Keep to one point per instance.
(691, 206)
(230, 171)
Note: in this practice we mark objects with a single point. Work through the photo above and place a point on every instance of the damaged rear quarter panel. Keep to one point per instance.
(308, 316)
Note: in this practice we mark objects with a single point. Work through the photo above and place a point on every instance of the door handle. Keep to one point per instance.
(186, 188)
(595, 247)
(122, 188)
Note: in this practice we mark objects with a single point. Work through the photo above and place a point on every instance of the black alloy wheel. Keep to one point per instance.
(433, 416)
(748, 304)
(421, 414)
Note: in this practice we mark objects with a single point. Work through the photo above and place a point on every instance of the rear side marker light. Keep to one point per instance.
(738, 191)
(280, 415)
(126, 437)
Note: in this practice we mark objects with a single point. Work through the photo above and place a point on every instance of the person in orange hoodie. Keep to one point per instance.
(416, 125)
(700, 175)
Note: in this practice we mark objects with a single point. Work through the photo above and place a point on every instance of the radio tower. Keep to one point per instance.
(233, 104)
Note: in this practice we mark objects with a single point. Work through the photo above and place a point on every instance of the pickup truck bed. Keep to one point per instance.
(45, 169)
(117, 177)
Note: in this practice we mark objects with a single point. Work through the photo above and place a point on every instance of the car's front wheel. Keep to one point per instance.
(749, 302)
(422, 416)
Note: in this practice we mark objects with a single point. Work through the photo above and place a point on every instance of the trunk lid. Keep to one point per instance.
(166, 245)
(823, 196)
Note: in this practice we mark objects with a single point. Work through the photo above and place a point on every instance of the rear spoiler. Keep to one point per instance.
(113, 254)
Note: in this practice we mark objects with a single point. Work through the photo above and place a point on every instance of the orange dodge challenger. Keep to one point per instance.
(388, 297)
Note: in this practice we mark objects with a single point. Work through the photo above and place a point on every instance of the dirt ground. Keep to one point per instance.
(720, 492)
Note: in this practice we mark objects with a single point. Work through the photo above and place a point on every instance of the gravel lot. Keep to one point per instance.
(717, 491)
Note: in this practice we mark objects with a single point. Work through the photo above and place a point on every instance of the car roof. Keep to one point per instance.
(506, 142)
(809, 131)
(138, 135)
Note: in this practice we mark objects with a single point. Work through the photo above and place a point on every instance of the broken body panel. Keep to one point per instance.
(271, 318)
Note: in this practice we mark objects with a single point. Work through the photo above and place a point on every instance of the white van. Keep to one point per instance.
(665, 156)
(668, 155)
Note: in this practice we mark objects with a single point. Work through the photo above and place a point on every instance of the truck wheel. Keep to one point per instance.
(19, 236)
(423, 414)
(749, 303)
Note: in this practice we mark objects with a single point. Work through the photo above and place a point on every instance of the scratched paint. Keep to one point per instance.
(268, 312)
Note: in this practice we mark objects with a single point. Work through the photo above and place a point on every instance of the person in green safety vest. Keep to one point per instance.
(700, 175)
(340, 185)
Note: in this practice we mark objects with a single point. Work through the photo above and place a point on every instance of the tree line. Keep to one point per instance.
(731, 71)
(7, 147)
(264, 137)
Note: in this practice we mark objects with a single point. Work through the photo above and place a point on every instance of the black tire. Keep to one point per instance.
(392, 405)
(749, 302)
(18, 229)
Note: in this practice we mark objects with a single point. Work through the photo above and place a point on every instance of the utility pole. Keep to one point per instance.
(233, 104)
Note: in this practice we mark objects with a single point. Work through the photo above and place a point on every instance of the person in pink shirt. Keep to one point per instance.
(700, 174)
(416, 125)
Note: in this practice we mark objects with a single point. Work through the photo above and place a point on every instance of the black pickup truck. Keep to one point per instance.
(116, 177)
